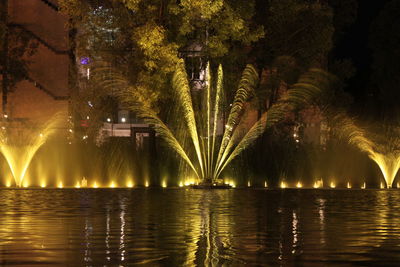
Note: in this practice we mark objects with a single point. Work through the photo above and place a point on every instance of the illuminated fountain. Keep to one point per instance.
(20, 144)
(384, 150)
(212, 153)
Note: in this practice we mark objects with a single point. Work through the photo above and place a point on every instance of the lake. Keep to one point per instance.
(187, 227)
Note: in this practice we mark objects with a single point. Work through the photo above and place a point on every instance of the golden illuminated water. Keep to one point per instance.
(385, 153)
(213, 152)
(124, 227)
(20, 144)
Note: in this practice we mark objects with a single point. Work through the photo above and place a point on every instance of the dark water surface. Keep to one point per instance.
(186, 227)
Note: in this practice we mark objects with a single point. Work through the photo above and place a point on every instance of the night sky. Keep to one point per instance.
(354, 46)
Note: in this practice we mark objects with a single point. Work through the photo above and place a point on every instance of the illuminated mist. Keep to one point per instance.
(384, 150)
(20, 144)
(211, 151)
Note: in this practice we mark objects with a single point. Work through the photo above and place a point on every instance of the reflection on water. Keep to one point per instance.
(172, 227)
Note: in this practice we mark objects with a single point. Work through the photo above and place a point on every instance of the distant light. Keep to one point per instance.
(130, 184)
(299, 185)
(43, 185)
(297, 140)
(108, 120)
(95, 185)
(382, 185)
(364, 186)
(5, 116)
(123, 120)
(283, 185)
(87, 117)
(78, 185)
(41, 135)
(60, 185)
(85, 137)
(90, 104)
(85, 60)
(25, 184)
(248, 184)
(70, 130)
(112, 185)
(265, 184)
(181, 184)
(332, 185)
(164, 184)
(146, 184)
(8, 183)
(348, 185)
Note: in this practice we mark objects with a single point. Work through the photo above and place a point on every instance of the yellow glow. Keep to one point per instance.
(283, 185)
(26, 184)
(348, 185)
(60, 185)
(248, 184)
(77, 185)
(146, 183)
(364, 186)
(398, 185)
(8, 183)
(43, 185)
(382, 185)
(19, 148)
(181, 184)
(130, 184)
(112, 185)
(164, 184)
(316, 185)
(95, 185)
(299, 185)
(332, 185)
(265, 184)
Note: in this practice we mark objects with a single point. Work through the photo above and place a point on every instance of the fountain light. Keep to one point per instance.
(77, 185)
(385, 154)
(364, 185)
(25, 184)
(299, 185)
(129, 184)
(283, 185)
(19, 147)
(60, 185)
(248, 184)
(146, 183)
(348, 185)
(398, 185)
(211, 156)
(332, 185)
(8, 183)
(95, 185)
(181, 184)
(316, 185)
(265, 184)
(43, 185)
(112, 184)
(382, 186)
